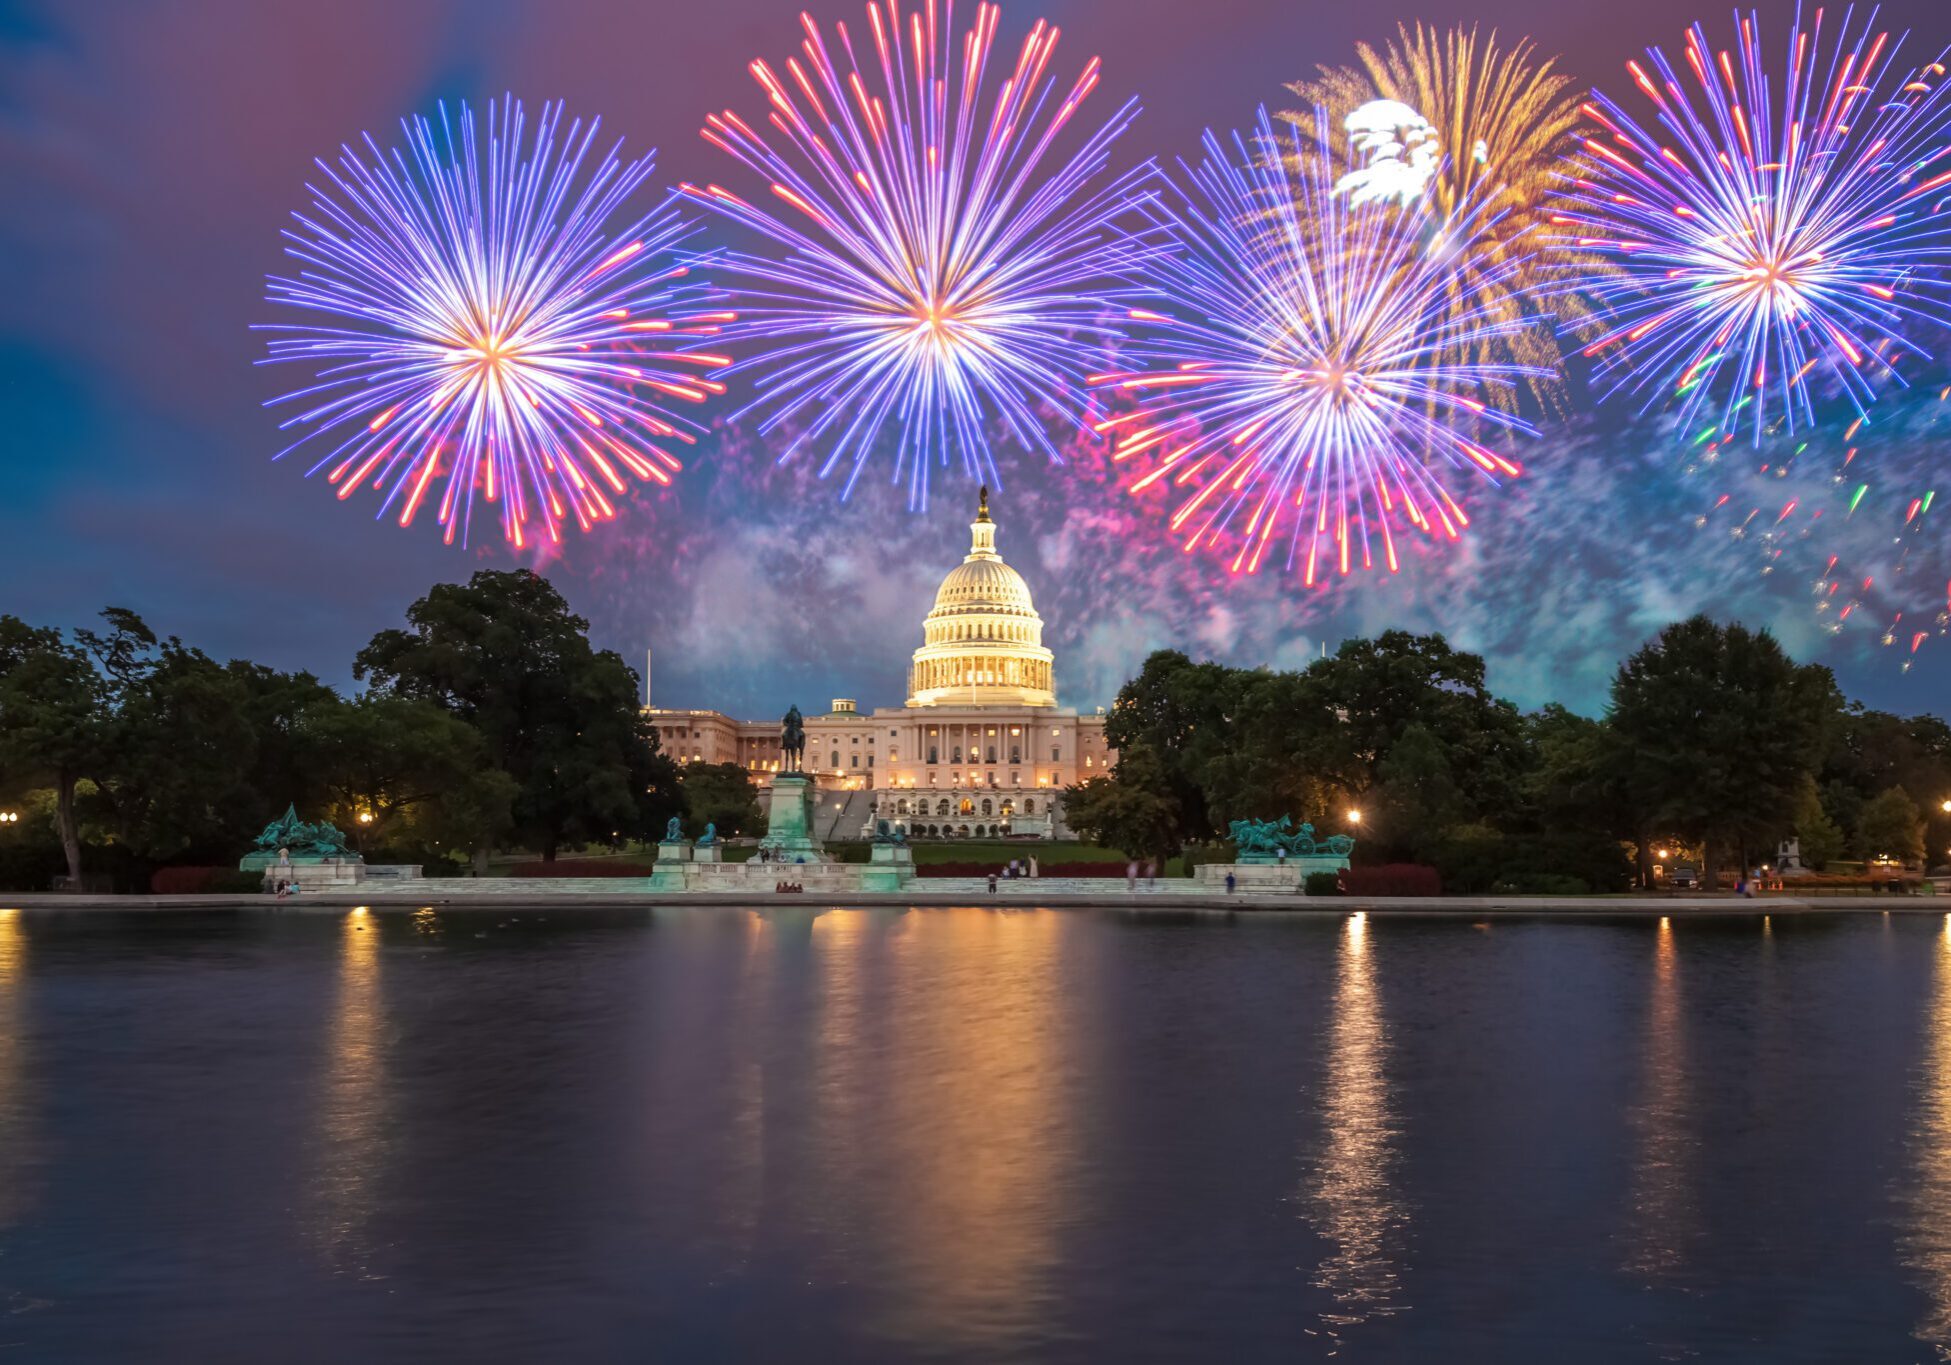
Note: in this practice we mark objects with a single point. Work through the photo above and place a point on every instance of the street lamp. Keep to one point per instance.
(9, 817)
(1945, 805)
(1354, 817)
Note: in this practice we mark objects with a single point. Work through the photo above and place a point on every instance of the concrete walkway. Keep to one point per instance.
(568, 894)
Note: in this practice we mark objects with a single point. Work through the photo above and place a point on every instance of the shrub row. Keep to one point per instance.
(203, 881)
(1392, 879)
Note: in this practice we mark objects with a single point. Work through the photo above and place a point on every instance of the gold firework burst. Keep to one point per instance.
(1502, 121)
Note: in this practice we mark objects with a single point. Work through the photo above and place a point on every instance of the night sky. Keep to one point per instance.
(151, 153)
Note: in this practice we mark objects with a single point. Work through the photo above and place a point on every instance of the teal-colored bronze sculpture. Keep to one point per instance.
(673, 830)
(305, 841)
(884, 833)
(709, 837)
(300, 841)
(1264, 841)
(792, 740)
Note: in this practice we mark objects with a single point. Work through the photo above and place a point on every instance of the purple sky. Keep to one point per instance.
(150, 154)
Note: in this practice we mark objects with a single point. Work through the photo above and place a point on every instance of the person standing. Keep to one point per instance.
(1033, 871)
(1131, 875)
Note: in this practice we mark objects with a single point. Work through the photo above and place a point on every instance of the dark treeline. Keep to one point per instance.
(486, 722)
(1715, 745)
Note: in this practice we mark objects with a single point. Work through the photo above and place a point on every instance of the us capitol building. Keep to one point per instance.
(981, 749)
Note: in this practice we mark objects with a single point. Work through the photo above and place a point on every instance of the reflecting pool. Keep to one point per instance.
(972, 1135)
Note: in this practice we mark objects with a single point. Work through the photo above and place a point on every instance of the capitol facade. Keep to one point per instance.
(980, 750)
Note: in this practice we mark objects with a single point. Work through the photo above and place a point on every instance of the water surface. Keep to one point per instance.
(972, 1135)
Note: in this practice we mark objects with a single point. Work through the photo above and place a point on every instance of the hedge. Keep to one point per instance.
(203, 881)
(1392, 879)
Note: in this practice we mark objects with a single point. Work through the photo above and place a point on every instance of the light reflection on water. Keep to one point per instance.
(950, 1135)
(1663, 1218)
(1927, 1239)
(16, 1103)
(1351, 1187)
(351, 1144)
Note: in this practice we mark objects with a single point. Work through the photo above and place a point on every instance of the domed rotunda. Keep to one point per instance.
(982, 645)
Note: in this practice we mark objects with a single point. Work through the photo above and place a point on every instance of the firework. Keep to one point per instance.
(486, 331)
(932, 273)
(1472, 128)
(1755, 244)
(1314, 381)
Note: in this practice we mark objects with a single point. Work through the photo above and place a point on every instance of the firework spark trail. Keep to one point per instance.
(1756, 245)
(1314, 374)
(1503, 120)
(930, 274)
(489, 329)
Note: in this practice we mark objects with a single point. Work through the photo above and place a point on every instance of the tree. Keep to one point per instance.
(180, 746)
(1819, 838)
(53, 717)
(505, 654)
(394, 769)
(1277, 726)
(1890, 826)
(721, 794)
(1716, 729)
(1132, 810)
(1174, 714)
(283, 771)
(1417, 799)
(1379, 688)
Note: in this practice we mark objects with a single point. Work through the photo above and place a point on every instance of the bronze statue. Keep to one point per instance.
(792, 740)
(673, 830)
(322, 840)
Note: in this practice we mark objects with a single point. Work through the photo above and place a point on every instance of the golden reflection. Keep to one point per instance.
(1350, 1189)
(741, 1184)
(15, 1103)
(942, 1107)
(1927, 1241)
(1663, 1219)
(350, 1128)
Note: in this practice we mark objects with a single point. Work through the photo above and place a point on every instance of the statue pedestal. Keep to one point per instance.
(310, 874)
(707, 853)
(1258, 875)
(672, 857)
(889, 868)
(789, 821)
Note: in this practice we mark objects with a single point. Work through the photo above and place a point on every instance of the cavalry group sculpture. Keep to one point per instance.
(1265, 839)
(304, 842)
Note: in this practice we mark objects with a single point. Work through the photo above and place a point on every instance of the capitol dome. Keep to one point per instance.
(982, 645)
